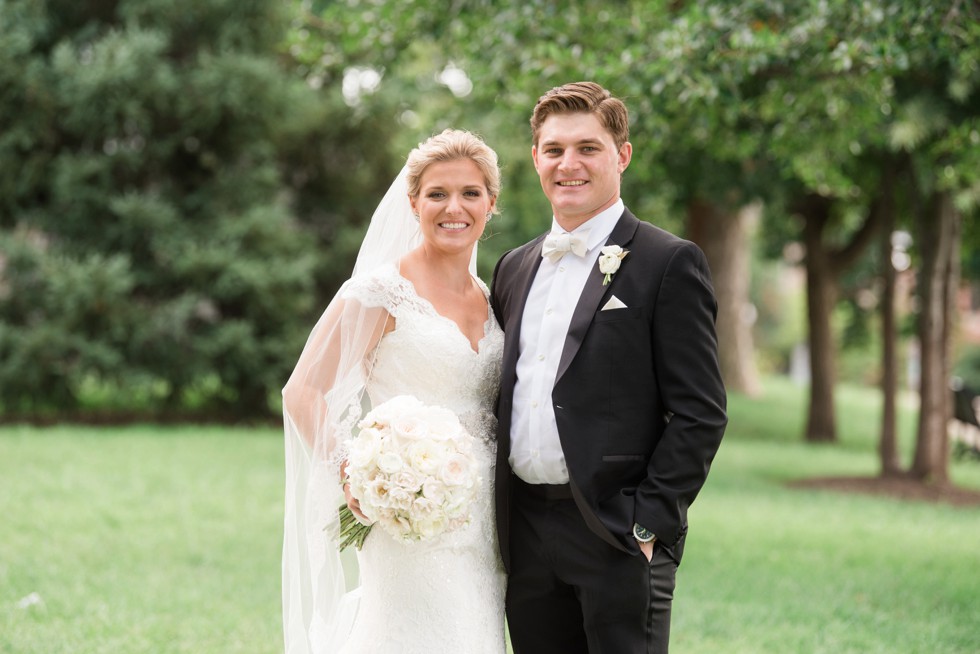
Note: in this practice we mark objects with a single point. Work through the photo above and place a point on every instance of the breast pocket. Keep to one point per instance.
(618, 458)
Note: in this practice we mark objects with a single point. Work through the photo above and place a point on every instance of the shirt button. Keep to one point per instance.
(549, 312)
(561, 269)
(534, 405)
(534, 453)
(540, 357)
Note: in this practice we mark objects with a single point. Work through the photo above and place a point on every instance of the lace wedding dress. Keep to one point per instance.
(445, 595)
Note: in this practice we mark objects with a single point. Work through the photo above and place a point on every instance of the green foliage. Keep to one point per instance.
(967, 367)
(149, 240)
(729, 101)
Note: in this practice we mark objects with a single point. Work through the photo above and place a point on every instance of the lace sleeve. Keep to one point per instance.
(387, 289)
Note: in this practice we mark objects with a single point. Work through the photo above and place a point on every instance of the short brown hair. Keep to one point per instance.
(452, 145)
(583, 97)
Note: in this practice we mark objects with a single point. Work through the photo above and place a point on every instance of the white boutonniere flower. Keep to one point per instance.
(610, 258)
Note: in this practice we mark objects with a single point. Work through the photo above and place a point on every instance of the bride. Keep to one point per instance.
(413, 320)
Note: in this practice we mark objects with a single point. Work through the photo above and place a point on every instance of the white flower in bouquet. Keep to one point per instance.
(412, 468)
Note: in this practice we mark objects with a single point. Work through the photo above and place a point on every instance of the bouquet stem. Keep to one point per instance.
(352, 532)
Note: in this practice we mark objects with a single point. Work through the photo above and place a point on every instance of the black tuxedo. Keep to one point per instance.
(638, 399)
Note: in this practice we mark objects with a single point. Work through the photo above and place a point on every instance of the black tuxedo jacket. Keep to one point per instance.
(639, 400)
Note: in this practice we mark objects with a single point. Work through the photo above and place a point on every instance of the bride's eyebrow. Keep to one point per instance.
(440, 187)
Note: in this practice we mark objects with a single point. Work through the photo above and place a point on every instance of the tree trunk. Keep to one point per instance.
(824, 266)
(725, 239)
(888, 442)
(938, 236)
(821, 296)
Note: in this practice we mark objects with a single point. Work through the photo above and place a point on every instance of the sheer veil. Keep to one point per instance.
(322, 403)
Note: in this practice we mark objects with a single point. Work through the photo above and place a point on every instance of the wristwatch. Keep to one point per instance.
(643, 534)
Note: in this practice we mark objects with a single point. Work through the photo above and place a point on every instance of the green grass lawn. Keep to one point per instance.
(167, 539)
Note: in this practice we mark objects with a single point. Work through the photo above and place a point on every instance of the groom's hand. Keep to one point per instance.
(646, 548)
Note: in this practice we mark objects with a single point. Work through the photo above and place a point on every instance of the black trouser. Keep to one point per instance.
(570, 592)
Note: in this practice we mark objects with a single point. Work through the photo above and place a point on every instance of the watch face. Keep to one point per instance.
(642, 533)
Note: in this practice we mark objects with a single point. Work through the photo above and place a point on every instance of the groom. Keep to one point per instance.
(611, 402)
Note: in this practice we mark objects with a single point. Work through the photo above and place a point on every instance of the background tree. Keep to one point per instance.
(150, 256)
(801, 95)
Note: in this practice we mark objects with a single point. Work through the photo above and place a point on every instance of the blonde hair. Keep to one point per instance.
(452, 145)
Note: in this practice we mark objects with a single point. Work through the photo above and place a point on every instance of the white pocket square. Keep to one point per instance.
(613, 303)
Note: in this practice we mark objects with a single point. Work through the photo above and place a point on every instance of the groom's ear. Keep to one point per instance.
(534, 156)
(625, 156)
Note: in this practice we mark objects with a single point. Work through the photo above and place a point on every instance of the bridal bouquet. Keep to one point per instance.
(413, 471)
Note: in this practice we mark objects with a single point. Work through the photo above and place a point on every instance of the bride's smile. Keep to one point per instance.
(452, 205)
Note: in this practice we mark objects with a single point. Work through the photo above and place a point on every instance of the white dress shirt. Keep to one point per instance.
(535, 449)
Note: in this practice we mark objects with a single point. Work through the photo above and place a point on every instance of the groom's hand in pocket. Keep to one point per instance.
(646, 548)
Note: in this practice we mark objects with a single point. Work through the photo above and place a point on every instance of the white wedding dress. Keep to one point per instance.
(446, 595)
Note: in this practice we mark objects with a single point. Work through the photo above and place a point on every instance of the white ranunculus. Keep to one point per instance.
(390, 462)
(610, 258)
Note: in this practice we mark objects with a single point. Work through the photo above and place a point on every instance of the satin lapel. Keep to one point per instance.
(592, 294)
(522, 283)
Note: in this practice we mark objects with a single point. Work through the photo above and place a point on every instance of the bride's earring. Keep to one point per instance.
(489, 215)
(418, 218)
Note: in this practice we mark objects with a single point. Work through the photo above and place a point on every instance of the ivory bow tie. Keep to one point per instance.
(556, 245)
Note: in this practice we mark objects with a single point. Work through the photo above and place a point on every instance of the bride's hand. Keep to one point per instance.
(352, 502)
(354, 505)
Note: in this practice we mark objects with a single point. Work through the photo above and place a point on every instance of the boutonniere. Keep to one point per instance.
(610, 258)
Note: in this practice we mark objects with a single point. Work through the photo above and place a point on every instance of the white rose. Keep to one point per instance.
(434, 490)
(408, 479)
(428, 519)
(442, 423)
(426, 457)
(397, 406)
(398, 526)
(409, 426)
(365, 448)
(460, 498)
(373, 498)
(455, 471)
(358, 487)
(434, 524)
(400, 498)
